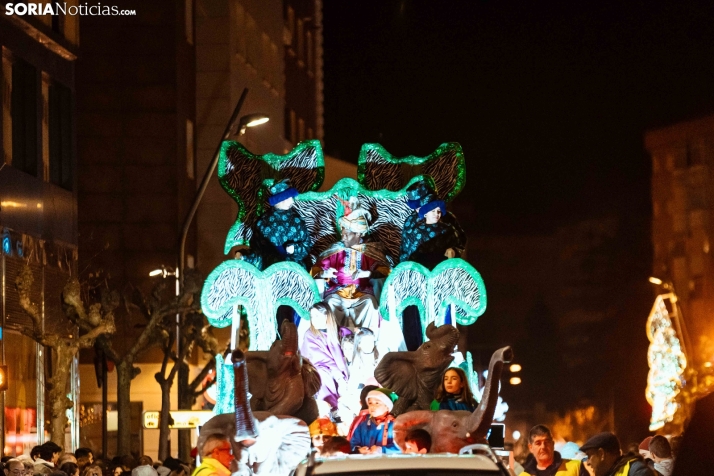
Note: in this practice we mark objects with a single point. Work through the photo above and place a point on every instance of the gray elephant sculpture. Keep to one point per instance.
(415, 375)
(262, 443)
(452, 430)
(281, 381)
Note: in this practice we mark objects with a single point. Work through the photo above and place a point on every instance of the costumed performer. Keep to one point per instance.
(321, 346)
(280, 233)
(349, 265)
(454, 392)
(376, 433)
(430, 235)
(364, 359)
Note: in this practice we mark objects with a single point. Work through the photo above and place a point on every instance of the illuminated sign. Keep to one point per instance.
(181, 419)
(3, 378)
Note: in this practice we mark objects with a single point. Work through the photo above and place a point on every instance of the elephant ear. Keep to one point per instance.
(397, 372)
(310, 378)
(257, 373)
(242, 175)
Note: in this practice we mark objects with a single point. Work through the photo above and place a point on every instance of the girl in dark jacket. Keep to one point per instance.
(454, 392)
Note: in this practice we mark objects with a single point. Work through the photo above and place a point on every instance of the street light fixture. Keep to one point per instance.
(655, 280)
(515, 380)
(515, 368)
(251, 120)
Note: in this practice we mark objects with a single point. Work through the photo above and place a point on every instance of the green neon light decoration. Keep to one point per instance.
(378, 169)
(243, 175)
(453, 281)
(238, 283)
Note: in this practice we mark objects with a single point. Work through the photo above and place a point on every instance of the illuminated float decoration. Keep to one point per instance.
(667, 362)
(451, 291)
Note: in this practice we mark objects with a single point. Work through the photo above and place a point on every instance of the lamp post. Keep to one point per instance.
(250, 120)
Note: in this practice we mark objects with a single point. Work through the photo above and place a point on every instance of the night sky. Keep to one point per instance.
(550, 102)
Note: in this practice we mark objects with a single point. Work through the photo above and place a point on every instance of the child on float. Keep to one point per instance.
(454, 392)
(364, 358)
(417, 440)
(364, 410)
(376, 433)
(321, 346)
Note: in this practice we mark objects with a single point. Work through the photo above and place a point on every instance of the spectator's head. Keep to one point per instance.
(70, 468)
(335, 446)
(82, 462)
(145, 461)
(66, 458)
(127, 462)
(644, 448)
(85, 452)
(172, 463)
(50, 452)
(541, 445)
(602, 450)
(14, 467)
(674, 443)
(417, 441)
(660, 448)
(57, 472)
(92, 470)
(28, 462)
(219, 448)
(35, 452)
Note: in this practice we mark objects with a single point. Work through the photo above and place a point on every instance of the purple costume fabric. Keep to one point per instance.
(327, 358)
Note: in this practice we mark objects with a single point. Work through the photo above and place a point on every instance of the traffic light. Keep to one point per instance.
(3, 378)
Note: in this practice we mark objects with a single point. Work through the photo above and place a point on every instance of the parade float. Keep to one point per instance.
(380, 257)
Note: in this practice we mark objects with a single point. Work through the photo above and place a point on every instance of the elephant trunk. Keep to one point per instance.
(480, 420)
(246, 424)
(289, 334)
(446, 334)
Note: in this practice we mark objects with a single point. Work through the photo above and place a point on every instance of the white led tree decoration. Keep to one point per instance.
(667, 362)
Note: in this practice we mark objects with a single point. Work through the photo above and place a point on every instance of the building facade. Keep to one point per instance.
(683, 225)
(274, 49)
(38, 210)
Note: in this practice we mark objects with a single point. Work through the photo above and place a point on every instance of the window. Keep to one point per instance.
(310, 53)
(190, 158)
(241, 32)
(189, 21)
(60, 140)
(6, 114)
(24, 117)
(300, 41)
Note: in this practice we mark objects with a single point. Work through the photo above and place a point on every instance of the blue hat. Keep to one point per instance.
(430, 202)
(280, 191)
(416, 191)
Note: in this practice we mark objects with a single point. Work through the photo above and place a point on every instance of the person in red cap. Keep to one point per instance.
(606, 459)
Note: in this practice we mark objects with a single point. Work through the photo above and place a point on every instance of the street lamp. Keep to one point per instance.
(515, 380)
(251, 120)
(515, 368)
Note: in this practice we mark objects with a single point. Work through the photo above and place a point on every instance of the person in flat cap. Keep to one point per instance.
(606, 459)
(349, 265)
(280, 233)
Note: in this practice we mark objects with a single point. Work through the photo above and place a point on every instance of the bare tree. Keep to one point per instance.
(152, 311)
(95, 321)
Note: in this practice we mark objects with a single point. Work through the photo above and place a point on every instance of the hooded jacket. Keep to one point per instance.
(559, 467)
(630, 466)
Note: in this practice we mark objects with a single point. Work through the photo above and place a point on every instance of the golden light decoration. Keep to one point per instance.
(667, 363)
